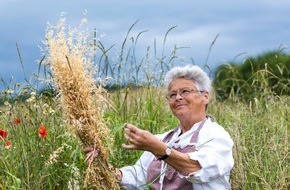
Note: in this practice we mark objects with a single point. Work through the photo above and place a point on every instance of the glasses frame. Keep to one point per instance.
(182, 92)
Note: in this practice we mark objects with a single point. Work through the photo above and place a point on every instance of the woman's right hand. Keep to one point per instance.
(91, 154)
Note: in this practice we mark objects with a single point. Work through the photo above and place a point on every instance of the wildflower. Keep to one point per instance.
(47, 109)
(42, 131)
(74, 182)
(54, 156)
(3, 134)
(8, 144)
(10, 91)
(51, 111)
(6, 103)
(25, 92)
(31, 98)
(17, 120)
(35, 105)
(45, 112)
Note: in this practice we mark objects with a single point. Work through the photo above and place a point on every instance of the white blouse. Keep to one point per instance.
(213, 152)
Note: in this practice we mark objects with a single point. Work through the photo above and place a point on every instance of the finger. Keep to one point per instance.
(88, 149)
(128, 146)
(89, 155)
(127, 137)
(124, 125)
(127, 131)
(95, 154)
(131, 128)
(130, 140)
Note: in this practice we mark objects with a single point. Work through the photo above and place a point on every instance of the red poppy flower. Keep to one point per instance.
(8, 144)
(3, 134)
(42, 131)
(17, 120)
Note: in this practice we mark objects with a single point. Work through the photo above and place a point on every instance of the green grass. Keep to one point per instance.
(261, 134)
(260, 130)
(33, 162)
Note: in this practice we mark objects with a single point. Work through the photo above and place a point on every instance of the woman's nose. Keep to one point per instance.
(178, 96)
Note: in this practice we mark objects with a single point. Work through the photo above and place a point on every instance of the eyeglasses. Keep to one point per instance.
(182, 92)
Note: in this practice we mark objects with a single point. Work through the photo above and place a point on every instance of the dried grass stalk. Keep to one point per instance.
(70, 55)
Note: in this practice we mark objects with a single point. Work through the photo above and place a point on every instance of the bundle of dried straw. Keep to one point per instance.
(70, 58)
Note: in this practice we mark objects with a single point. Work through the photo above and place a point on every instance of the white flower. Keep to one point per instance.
(9, 91)
(51, 111)
(6, 103)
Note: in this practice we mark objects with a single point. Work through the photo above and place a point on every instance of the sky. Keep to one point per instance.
(244, 28)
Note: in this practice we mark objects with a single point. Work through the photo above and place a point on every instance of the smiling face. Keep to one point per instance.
(186, 102)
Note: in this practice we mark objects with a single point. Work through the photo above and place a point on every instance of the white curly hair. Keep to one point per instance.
(195, 73)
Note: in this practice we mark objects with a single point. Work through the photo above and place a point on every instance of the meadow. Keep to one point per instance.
(39, 148)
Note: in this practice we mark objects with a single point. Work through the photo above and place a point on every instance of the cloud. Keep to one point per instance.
(243, 26)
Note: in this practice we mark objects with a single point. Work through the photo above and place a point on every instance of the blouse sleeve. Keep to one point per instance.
(136, 175)
(214, 154)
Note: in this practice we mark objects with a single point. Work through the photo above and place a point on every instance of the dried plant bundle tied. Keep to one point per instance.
(70, 55)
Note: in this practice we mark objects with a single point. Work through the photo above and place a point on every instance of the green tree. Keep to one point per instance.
(256, 77)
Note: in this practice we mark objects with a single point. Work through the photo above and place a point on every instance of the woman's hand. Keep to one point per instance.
(91, 154)
(142, 140)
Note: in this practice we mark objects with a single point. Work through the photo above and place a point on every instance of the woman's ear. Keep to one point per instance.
(206, 97)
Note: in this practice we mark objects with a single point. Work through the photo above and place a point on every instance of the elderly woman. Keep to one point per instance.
(195, 155)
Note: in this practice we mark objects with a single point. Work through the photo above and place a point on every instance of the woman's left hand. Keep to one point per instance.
(140, 139)
(91, 154)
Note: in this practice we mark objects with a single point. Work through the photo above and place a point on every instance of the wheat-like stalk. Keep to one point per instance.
(69, 55)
